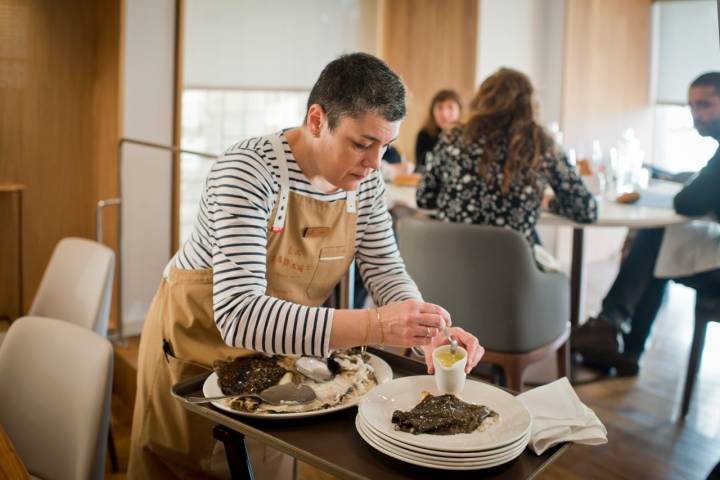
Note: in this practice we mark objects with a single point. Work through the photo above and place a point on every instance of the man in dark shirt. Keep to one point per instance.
(616, 338)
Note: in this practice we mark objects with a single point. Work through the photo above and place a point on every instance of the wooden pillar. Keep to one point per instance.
(606, 80)
(432, 45)
(59, 90)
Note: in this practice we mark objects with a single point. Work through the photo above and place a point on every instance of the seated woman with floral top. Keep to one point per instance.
(494, 169)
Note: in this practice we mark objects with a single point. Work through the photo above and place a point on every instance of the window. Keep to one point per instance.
(213, 120)
(678, 146)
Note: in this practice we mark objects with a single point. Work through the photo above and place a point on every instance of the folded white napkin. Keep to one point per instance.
(559, 416)
(545, 260)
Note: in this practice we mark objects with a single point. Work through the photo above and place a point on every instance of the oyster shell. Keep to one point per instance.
(314, 368)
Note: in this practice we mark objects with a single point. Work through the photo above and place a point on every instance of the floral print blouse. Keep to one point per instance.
(453, 186)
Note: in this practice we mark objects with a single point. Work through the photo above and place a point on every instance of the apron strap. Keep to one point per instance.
(279, 223)
(169, 265)
(351, 201)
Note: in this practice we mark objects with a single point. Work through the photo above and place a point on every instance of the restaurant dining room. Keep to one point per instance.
(359, 239)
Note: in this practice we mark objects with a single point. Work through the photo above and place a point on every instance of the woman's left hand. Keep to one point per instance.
(465, 339)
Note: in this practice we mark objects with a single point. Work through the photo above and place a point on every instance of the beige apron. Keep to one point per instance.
(310, 246)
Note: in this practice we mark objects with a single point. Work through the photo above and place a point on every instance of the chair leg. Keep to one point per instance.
(497, 375)
(563, 360)
(514, 376)
(694, 363)
(514, 365)
(112, 451)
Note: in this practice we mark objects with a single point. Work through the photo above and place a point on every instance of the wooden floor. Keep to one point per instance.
(646, 441)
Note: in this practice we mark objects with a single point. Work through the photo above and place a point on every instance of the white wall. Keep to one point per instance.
(282, 44)
(527, 35)
(505, 36)
(548, 56)
(685, 45)
(146, 173)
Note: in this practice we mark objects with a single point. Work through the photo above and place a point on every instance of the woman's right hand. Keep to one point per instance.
(410, 323)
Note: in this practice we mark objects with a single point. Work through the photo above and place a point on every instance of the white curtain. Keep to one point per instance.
(282, 44)
(686, 44)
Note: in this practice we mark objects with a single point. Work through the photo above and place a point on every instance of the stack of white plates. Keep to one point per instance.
(497, 444)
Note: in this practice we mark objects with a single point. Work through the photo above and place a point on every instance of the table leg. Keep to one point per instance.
(578, 373)
(236, 452)
(576, 276)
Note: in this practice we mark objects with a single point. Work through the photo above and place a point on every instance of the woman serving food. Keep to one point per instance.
(281, 218)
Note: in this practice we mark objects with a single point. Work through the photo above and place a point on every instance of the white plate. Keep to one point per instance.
(404, 393)
(440, 455)
(408, 457)
(383, 373)
(434, 455)
(483, 462)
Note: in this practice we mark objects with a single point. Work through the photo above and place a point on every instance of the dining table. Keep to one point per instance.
(331, 443)
(654, 209)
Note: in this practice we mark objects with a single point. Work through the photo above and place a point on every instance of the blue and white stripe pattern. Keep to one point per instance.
(230, 235)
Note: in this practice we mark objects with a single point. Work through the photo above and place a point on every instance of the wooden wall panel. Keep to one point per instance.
(607, 72)
(432, 44)
(10, 248)
(58, 126)
(107, 93)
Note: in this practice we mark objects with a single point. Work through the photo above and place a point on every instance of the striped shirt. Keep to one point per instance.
(230, 236)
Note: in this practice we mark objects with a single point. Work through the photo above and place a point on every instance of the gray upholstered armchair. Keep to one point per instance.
(486, 277)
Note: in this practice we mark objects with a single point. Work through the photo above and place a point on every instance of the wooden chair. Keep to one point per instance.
(707, 309)
(486, 277)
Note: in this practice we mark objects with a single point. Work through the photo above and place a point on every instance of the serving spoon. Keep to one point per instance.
(285, 394)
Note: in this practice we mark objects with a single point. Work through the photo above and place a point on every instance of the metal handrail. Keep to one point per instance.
(117, 202)
(170, 148)
(101, 205)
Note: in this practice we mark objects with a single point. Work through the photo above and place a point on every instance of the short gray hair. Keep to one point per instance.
(355, 84)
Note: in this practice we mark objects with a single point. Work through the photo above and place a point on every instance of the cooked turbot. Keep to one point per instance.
(247, 374)
(352, 376)
(443, 415)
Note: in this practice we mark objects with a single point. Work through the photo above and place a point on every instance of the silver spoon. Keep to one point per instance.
(453, 342)
(284, 394)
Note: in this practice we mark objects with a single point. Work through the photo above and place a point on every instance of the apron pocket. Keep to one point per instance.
(179, 368)
(330, 268)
